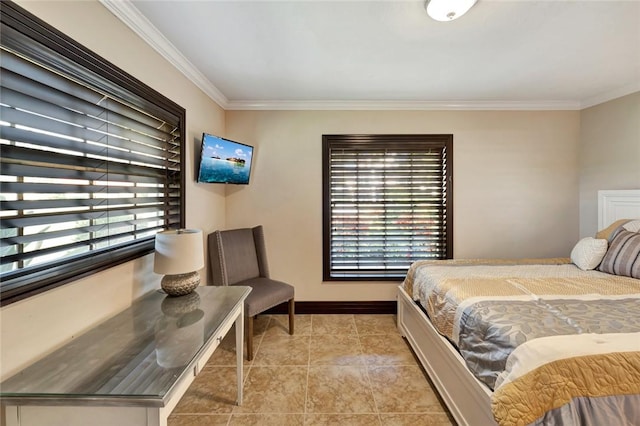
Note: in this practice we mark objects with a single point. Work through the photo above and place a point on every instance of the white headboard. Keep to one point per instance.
(617, 204)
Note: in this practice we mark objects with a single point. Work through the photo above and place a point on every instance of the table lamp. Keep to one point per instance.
(179, 256)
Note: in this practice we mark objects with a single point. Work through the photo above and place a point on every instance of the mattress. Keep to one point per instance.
(551, 340)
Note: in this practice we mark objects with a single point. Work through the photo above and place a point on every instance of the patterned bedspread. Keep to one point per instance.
(571, 336)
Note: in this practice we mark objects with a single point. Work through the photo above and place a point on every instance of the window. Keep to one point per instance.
(387, 203)
(91, 165)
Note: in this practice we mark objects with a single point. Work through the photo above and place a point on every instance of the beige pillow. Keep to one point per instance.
(632, 226)
(606, 232)
(588, 253)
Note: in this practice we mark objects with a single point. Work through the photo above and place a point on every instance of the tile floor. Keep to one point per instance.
(336, 370)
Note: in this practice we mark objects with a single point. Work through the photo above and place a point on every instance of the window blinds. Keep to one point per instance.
(90, 171)
(386, 204)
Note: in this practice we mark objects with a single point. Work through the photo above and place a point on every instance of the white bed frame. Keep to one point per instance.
(617, 204)
(468, 399)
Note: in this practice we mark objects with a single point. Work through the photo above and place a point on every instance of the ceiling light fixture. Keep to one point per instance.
(448, 10)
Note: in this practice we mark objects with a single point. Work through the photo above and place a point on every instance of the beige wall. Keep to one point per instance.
(37, 325)
(609, 154)
(515, 185)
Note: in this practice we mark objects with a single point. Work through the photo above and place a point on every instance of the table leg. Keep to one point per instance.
(240, 352)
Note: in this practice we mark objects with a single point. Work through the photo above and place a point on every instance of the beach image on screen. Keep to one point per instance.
(224, 161)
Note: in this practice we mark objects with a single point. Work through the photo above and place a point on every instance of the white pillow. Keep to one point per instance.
(588, 253)
(632, 226)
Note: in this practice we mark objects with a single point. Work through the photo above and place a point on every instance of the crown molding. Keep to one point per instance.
(404, 105)
(131, 16)
(608, 96)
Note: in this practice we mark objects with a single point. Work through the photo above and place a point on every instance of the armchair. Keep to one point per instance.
(239, 257)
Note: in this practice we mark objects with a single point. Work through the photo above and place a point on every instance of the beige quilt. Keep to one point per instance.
(553, 342)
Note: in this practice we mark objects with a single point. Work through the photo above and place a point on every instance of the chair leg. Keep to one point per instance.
(249, 321)
(292, 309)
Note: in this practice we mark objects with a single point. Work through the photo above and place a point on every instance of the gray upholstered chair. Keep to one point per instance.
(239, 257)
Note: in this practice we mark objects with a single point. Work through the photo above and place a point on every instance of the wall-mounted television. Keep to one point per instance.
(224, 161)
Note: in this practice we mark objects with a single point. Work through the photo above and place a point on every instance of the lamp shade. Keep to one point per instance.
(448, 10)
(178, 251)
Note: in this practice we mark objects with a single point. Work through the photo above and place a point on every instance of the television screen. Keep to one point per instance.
(224, 161)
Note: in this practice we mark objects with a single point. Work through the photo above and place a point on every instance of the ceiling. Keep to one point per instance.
(318, 54)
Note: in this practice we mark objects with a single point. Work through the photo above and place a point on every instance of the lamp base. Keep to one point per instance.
(180, 284)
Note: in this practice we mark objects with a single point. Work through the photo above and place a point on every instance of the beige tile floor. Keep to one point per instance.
(336, 370)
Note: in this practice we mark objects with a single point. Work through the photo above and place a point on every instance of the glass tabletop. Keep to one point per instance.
(136, 356)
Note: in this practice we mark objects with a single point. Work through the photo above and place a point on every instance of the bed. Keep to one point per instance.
(534, 341)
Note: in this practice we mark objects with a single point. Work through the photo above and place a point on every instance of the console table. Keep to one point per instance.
(131, 369)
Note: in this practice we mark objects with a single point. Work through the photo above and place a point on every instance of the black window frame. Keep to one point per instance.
(83, 65)
(378, 142)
